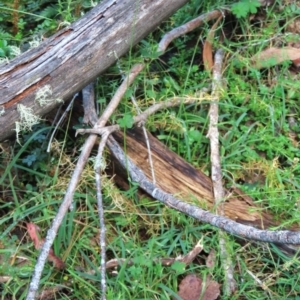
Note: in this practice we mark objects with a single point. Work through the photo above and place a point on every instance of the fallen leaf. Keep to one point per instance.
(57, 262)
(207, 47)
(191, 288)
(212, 290)
(32, 230)
(211, 259)
(274, 56)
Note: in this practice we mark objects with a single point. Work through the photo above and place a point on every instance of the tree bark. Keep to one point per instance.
(76, 55)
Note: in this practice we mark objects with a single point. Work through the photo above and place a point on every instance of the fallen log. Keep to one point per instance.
(175, 176)
(66, 62)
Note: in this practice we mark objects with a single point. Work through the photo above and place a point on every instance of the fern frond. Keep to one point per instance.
(50, 11)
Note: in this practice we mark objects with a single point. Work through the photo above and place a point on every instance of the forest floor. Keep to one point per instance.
(259, 146)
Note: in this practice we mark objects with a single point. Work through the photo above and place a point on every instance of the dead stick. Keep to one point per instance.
(88, 145)
(232, 227)
(187, 27)
(98, 168)
(216, 171)
(142, 117)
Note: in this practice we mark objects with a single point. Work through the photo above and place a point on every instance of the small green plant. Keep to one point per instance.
(126, 121)
(4, 49)
(242, 8)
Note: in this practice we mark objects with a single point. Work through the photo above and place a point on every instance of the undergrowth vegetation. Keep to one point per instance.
(259, 137)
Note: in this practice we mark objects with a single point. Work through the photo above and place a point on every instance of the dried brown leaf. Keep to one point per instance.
(274, 56)
(191, 288)
(207, 47)
(57, 262)
(211, 259)
(32, 230)
(212, 291)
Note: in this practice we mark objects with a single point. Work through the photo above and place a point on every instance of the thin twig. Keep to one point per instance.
(60, 120)
(98, 167)
(261, 284)
(87, 147)
(216, 171)
(142, 117)
(191, 25)
(221, 222)
(187, 27)
(228, 225)
(143, 126)
(86, 150)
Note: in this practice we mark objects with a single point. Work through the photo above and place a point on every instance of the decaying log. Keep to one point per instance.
(175, 176)
(76, 55)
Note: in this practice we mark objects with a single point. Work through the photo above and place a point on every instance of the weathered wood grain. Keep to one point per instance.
(175, 176)
(74, 56)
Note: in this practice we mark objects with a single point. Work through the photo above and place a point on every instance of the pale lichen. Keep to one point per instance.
(2, 110)
(44, 96)
(4, 60)
(35, 42)
(27, 119)
(15, 51)
(100, 163)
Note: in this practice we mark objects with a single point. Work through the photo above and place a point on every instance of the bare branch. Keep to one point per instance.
(144, 129)
(88, 145)
(187, 27)
(216, 171)
(142, 117)
(60, 120)
(98, 167)
(232, 227)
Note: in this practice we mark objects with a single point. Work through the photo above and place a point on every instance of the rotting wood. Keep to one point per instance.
(175, 176)
(285, 237)
(76, 55)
